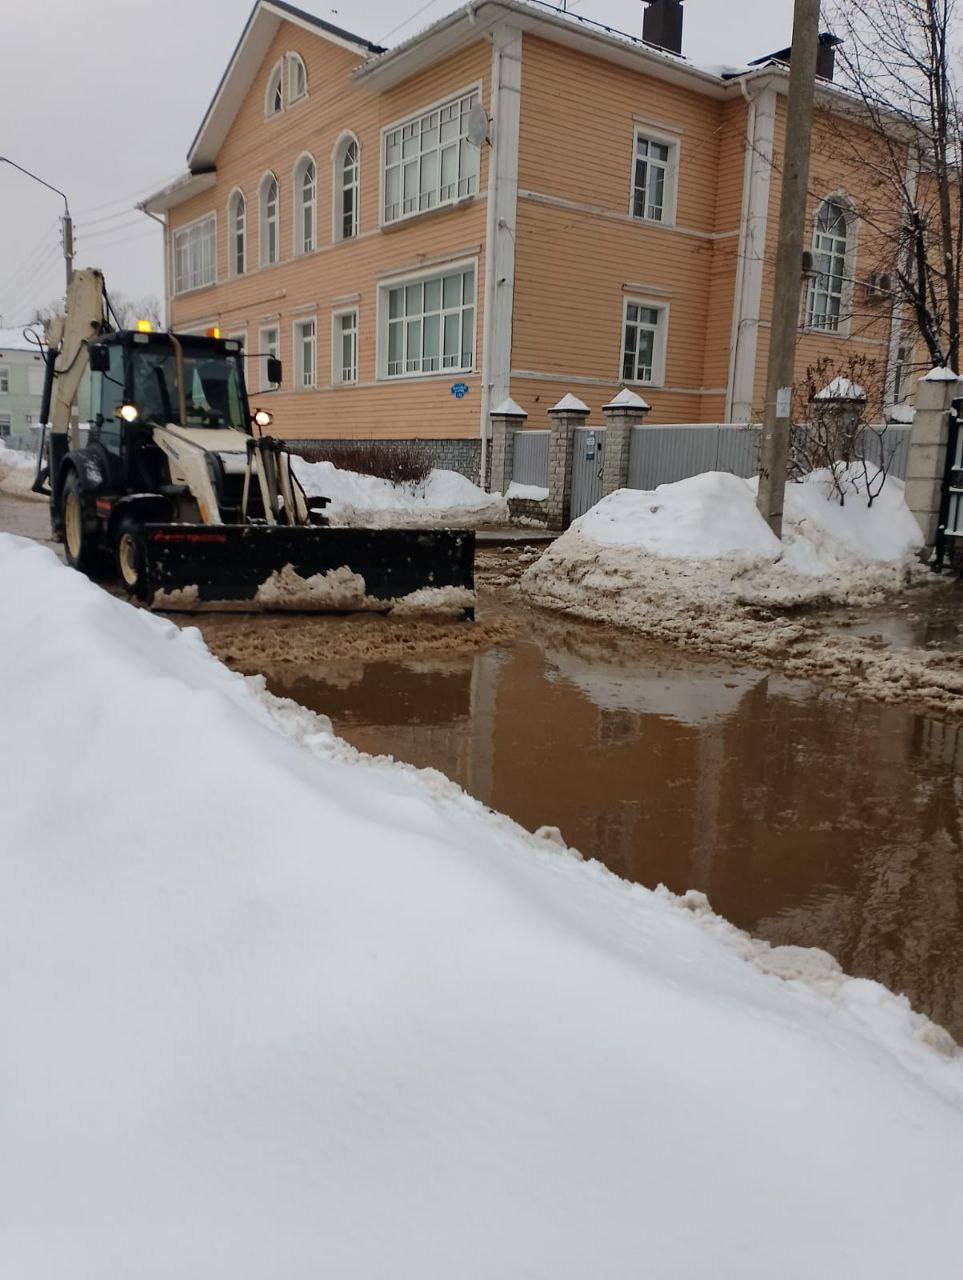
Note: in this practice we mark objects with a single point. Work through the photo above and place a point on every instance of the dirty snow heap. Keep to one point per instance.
(271, 1007)
(444, 498)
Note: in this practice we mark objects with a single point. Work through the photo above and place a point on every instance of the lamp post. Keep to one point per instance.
(66, 222)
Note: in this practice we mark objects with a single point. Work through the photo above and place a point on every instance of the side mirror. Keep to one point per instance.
(274, 369)
(99, 359)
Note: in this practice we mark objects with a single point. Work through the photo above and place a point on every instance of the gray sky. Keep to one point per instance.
(102, 97)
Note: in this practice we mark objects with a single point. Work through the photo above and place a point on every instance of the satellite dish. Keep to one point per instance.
(476, 130)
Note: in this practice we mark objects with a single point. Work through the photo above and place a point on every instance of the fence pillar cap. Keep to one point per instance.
(842, 389)
(509, 409)
(627, 399)
(569, 404)
(942, 373)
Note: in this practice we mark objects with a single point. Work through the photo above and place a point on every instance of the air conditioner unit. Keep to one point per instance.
(879, 286)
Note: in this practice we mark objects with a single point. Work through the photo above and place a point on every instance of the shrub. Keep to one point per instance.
(400, 463)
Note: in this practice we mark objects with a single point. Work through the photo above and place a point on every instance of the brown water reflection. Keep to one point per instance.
(806, 818)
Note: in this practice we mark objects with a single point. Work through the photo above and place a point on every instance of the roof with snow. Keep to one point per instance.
(14, 340)
(569, 404)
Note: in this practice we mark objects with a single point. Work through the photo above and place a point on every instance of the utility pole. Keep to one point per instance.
(66, 222)
(774, 453)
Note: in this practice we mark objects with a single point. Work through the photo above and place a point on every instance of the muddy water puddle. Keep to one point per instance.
(806, 818)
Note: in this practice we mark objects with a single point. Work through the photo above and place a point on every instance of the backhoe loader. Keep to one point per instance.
(179, 493)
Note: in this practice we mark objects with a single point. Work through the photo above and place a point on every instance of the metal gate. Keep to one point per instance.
(588, 447)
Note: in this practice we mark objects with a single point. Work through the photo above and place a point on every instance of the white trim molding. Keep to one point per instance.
(660, 341)
(747, 301)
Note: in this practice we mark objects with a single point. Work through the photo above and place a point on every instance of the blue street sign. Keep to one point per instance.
(459, 390)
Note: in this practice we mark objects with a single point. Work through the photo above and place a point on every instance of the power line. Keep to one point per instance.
(132, 196)
(411, 17)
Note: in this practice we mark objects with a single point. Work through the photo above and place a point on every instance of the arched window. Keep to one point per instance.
(347, 171)
(274, 94)
(237, 232)
(297, 78)
(832, 254)
(305, 205)
(269, 243)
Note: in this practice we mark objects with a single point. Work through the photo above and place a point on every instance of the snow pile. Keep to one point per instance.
(702, 542)
(274, 1008)
(17, 470)
(530, 492)
(694, 563)
(444, 498)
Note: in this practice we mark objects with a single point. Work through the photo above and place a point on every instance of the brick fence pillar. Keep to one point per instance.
(568, 414)
(838, 410)
(506, 420)
(927, 449)
(626, 411)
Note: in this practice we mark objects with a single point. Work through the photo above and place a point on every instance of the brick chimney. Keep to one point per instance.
(662, 24)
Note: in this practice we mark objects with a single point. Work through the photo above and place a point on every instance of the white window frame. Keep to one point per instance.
(262, 223)
(300, 248)
(290, 59)
(277, 73)
(263, 345)
(232, 269)
(416, 118)
(299, 382)
(186, 229)
(415, 277)
(337, 188)
(841, 329)
(4, 380)
(659, 345)
(337, 367)
(240, 335)
(671, 165)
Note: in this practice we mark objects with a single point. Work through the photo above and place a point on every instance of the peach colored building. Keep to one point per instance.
(514, 202)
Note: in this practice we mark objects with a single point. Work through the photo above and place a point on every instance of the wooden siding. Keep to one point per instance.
(337, 275)
(579, 253)
(834, 168)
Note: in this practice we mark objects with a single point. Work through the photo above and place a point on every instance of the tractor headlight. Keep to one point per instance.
(129, 412)
(263, 418)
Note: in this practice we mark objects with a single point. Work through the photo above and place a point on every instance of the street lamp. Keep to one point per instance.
(66, 222)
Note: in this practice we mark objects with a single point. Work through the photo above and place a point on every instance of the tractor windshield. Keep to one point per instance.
(213, 394)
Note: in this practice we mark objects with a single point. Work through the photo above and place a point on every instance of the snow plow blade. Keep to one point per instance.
(309, 569)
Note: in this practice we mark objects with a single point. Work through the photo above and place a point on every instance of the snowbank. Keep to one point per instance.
(530, 492)
(17, 470)
(702, 541)
(694, 563)
(444, 498)
(274, 1008)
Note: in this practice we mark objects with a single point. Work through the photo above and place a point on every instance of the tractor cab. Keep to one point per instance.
(154, 379)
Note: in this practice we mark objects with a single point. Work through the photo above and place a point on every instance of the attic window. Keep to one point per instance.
(274, 98)
(297, 78)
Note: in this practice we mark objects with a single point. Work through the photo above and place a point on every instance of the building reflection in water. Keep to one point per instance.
(806, 818)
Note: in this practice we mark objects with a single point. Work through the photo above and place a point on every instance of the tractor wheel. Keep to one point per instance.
(80, 543)
(129, 557)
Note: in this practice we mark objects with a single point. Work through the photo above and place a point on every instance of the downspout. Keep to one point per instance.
(743, 246)
(167, 300)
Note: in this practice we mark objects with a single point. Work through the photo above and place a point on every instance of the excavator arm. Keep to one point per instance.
(83, 319)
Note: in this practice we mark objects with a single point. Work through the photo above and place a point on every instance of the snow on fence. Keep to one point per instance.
(531, 458)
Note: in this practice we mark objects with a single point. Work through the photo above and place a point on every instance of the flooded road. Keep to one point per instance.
(806, 818)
